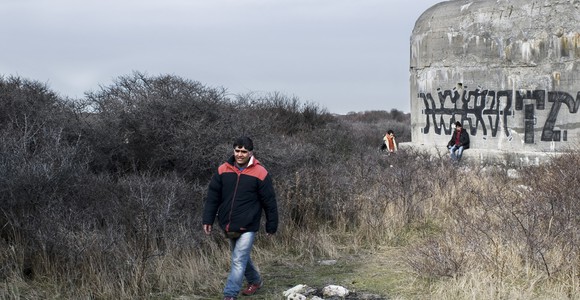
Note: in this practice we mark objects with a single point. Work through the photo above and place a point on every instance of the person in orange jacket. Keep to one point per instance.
(390, 142)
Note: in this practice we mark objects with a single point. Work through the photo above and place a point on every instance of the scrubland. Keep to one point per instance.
(101, 198)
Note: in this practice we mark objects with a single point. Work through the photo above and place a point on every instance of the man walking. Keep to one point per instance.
(459, 142)
(238, 193)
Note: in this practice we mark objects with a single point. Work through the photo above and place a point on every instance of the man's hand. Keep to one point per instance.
(207, 228)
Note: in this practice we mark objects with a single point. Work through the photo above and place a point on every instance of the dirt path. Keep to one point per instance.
(377, 274)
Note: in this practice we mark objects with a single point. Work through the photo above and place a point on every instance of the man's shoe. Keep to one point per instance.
(252, 288)
(229, 298)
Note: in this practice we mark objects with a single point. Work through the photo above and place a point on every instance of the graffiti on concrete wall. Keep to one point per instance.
(481, 111)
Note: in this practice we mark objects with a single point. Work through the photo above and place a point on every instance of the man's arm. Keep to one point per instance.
(464, 138)
(212, 202)
(269, 203)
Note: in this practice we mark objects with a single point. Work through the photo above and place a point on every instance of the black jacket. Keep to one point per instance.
(238, 198)
(463, 139)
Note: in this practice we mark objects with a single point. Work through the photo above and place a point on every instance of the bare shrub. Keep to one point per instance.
(311, 199)
(293, 134)
(371, 126)
(103, 198)
(41, 165)
(284, 115)
(376, 116)
(366, 196)
(162, 123)
(546, 218)
(148, 216)
(413, 180)
(434, 258)
(117, 241)
(506, 224)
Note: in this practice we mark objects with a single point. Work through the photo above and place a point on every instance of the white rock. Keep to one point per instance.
(334, 290)
(512, 173)
(299, 289)
(295, 296)
(328, 262)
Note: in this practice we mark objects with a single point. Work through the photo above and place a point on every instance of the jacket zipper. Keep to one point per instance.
(238, 172)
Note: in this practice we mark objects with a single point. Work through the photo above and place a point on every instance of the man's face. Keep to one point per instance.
(458, 128)
(242, 156)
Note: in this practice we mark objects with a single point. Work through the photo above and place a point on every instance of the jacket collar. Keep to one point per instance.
(253, 161)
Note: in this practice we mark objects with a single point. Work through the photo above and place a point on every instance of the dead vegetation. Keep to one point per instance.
(102, 196)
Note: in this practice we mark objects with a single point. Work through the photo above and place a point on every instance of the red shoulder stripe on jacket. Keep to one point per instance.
(226, 168)
(255, 170)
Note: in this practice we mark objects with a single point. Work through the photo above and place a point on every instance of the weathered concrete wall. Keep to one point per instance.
(507, 69)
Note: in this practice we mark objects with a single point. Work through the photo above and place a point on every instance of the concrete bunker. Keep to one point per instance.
(507, 69)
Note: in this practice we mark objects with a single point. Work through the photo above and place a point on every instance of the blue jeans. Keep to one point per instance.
(242, 265)
(456, 152)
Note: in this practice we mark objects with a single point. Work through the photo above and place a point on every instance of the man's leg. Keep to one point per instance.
(452, 150)
(241, 248)
(459, 153)
(252, 275)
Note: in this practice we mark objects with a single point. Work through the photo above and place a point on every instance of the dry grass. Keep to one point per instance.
(467, 235)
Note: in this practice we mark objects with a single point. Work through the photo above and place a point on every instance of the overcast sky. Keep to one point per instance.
(345, 55)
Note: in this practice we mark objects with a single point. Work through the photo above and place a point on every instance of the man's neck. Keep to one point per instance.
(241, 167)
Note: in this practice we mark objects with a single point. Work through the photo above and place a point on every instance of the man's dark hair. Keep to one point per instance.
(390, 131)
(245, 142)
(458, 124)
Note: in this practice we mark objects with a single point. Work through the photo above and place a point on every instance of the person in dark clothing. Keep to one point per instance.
(238, 193)
(458, 143)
